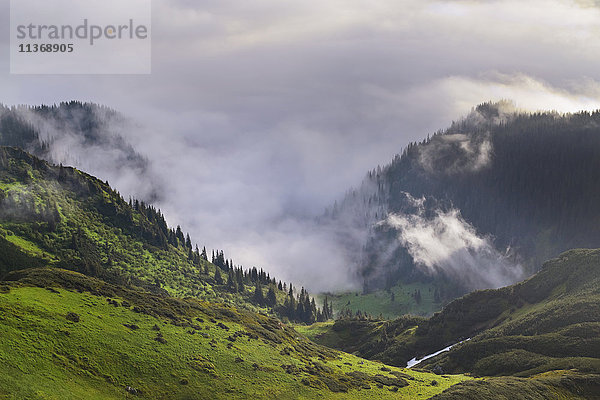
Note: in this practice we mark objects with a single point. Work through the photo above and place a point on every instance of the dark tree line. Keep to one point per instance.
(296, 307)
(231, 277)
(302, 308)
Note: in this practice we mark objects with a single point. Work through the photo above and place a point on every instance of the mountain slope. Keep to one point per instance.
(60, 216)
(64, 217)
(112, 329)
(545, 328)
(550, 385)
(554, 313)
(551, 321)
(517, 188)
(69, 336)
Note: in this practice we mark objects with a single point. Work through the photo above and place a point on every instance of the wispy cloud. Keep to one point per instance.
(445, 243)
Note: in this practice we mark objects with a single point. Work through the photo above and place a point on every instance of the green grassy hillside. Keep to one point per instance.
(59, 216)
(561, 385)
(62, 217)
(69, 336)
(550, 322)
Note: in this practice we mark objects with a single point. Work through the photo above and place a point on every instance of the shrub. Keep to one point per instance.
(71, 316)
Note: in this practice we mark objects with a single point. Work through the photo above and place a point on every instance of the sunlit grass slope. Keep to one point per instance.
(68, 336)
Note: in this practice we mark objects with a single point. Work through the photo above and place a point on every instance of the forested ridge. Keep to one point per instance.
(528, 181)
(28, 127)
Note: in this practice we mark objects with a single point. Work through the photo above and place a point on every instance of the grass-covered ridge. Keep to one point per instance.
(81, 223)
(59, 216)
(550, 322)
(69, 336)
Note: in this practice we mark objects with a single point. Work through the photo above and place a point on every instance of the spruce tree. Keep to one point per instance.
(313, 312)
(232, 285)
(271, 297)
(258, 294)
(218, 277)
(239, 275)
(179, 235)
(325, 313)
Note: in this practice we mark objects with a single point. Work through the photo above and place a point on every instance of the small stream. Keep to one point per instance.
(416, 361)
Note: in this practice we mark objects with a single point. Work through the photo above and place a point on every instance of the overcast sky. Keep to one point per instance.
(260, 113)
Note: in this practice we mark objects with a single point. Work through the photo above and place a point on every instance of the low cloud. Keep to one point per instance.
(455, 153)
(525, 92)
(94, 141)
(446, 243)
(305, 253)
